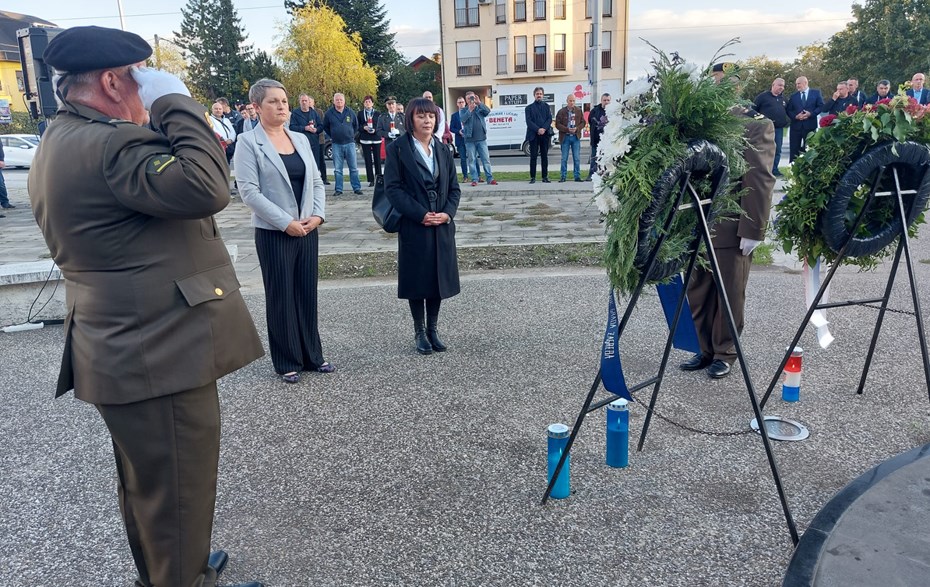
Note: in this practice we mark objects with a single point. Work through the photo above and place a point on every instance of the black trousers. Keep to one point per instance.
(289, 273)
(372, 156)
(317, 149)
(540, 146)
(167, 452)
(798, 143)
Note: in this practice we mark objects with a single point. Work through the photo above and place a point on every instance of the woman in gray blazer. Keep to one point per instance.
(278, 179)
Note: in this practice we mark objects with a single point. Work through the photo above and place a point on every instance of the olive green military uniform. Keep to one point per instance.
(155, 316)
(710, 320)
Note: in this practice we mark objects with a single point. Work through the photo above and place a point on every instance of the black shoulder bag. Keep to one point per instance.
(385, 215)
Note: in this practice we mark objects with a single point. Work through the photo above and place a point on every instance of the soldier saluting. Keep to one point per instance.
(155, 316)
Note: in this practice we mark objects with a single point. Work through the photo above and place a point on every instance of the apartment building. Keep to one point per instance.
(502, 49)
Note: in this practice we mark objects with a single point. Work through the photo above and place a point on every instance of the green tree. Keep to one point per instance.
(213, 44)
(259, 65)
(761, 72)
(886, 39)
(368, 18)
(810, 64)
(405, 83)
(320, 58)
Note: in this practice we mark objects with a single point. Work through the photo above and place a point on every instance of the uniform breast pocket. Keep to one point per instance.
(208, 229)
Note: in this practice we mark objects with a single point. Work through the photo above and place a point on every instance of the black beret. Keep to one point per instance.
(87, 48)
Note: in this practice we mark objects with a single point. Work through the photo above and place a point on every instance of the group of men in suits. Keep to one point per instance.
(807, 103)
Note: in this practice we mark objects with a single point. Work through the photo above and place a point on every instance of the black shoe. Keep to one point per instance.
(696, 363)
(423, 345)
(337, 193)
(546, 180)
(371, 184)
(325, 182)
(9, 206)
(435, 341)
(562, 180)
(357, 192)
(718, 369)
(2, 215)
(578, 179)
(218, 560)
(533, 180)
(291, 378)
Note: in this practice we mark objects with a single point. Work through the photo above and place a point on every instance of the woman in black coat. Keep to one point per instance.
(421, 183)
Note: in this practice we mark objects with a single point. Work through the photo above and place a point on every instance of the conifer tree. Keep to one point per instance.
(213, 41)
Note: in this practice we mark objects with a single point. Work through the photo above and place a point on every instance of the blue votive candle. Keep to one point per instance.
(618, 433)
(558, 440)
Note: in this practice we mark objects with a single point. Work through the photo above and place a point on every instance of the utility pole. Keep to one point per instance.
(122, 22)
(594, 62)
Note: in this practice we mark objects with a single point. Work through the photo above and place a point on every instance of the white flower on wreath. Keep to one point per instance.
(636, 88)
(693, 70)
(605, 199)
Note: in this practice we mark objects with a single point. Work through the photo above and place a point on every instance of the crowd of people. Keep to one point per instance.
(799, 111)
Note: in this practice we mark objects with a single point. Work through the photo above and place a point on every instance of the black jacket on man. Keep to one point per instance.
(538, 116)
(773, 107)
(875, 97)
(832, 106)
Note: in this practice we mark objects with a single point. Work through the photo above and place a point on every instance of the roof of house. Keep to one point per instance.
(10, 22)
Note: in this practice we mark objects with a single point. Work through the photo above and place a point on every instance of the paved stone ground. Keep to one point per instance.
(409, 470)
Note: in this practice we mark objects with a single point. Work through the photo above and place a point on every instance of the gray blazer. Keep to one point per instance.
(265, 187)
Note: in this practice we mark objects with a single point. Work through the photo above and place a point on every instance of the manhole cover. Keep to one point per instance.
(780, 428)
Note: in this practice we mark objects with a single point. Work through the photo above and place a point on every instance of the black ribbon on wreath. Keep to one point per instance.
(885, 171)
(703, 165)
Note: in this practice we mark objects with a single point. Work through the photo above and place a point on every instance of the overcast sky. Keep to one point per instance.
(694, 29)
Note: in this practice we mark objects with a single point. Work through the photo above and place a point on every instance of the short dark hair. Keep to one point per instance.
(884, 82)
(223, 101)
(416, 106)
(368, 97)
(539, 89)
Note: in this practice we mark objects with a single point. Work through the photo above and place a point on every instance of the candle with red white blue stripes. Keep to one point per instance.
(791, 386)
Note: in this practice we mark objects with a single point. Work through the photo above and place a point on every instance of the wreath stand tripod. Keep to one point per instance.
(898, 159)
(702, 230)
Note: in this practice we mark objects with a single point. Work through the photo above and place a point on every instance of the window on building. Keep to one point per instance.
(500, 11)
(605, 49)
(466, 13)
(519, 54)
(539, 9)
(558, 9)
(606, 5)
(519, 10)
(558, 52)
(539, 52)
(468, 58)
(502, 54)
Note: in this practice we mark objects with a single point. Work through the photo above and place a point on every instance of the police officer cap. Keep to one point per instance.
(725, 67)
(87, 48)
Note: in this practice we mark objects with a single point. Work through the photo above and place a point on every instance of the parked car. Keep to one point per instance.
(19, 150)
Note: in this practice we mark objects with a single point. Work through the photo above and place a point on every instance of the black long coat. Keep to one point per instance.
(427, 266)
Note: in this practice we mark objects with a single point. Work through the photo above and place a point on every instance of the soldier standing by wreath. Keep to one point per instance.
(734, 241)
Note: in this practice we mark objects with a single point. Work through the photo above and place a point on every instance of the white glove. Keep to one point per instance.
(154, 83)
(747, 245)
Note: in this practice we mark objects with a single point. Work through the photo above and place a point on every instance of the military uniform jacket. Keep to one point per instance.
(758, 183)
(127, 212)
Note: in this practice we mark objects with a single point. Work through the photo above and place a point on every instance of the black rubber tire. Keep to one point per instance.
(703, 160)
(912, 161)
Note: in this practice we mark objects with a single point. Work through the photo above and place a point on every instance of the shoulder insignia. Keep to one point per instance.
(759, 116)
(206, 118)
(159, 163)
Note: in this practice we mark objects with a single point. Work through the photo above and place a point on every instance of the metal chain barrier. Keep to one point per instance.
(892, 310)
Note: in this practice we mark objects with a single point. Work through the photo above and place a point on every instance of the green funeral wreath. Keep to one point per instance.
(650, 128)
(840, 142)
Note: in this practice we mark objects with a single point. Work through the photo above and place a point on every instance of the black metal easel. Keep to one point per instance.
(903, 246)
(703, 234)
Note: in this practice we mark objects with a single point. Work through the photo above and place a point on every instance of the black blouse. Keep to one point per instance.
(296, 172)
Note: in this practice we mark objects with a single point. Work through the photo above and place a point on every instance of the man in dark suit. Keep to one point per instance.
(734, 240)
(917, 90)
(538, 133)
(803, 108)
(882, 91)
(155, 316)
